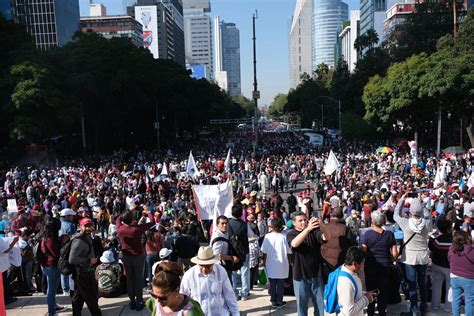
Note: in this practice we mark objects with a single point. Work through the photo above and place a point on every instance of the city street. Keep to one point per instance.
(257, 304)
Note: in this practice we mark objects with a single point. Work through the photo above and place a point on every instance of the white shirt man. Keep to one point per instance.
(208, 284)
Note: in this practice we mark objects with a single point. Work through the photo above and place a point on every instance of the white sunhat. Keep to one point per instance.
(66, 212)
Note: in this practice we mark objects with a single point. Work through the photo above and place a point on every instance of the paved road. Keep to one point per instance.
(258, 304)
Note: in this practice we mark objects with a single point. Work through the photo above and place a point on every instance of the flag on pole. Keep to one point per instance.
(332, 164)
(164, 172)
(227, 162)
(470, 181)
(191, 168)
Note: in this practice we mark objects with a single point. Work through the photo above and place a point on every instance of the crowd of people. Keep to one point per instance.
(387, 224)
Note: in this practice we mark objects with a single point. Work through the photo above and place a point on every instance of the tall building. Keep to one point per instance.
(373, 15)
(51, 23)
(396, 16)
(347, 38)
(219, 73)
(114, 26)
(327, 17)
(97, 9)
(227, 56)
(198, 35)
(300, 40)
(163, 27)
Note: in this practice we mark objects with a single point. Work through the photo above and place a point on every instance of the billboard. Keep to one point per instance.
(197, 71)
(148, 17)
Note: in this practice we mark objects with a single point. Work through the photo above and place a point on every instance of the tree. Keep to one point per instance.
(245, 103)
(278, 105)
(422, 29)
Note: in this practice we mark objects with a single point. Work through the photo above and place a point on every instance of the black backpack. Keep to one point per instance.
(235, 249)
(64, 266)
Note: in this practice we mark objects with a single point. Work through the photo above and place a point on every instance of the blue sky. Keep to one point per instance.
(272, 28)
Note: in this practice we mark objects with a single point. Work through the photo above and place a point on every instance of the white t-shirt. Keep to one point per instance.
(276, 248)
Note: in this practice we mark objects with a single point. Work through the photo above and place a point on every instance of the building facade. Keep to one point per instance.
(163, 27)
(231, 57)
(114, 26)
(347, 36)
(373, 13)
(300, 42)
(51, 23)
(327, 17)
(97, 9)
(198, 36)
(227, 69)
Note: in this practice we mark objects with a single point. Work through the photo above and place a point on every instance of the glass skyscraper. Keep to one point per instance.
(327, 16)
(230, 37)
(49, 22)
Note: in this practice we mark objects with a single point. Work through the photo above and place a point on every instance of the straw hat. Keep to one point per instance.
(205, 256)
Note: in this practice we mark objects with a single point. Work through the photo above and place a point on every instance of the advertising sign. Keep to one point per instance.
(147, 16)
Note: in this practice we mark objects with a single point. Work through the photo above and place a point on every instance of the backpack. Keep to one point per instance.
(235, 249)
(331, 304)
(64, 266)
(38, 253)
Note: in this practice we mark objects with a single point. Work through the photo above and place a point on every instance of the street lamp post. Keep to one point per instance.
(256, 93)
(339, 109)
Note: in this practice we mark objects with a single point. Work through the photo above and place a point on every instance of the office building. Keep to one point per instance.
(347, 37)
(396, 16)
(198, 36)
(373, 13)
(97, 9)
(51, 23)
(227, 56)
(114, 26)
(300, 41)
(327, 17)
(163, 27)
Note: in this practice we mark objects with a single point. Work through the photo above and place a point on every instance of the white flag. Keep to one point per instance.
(227, 162)
(164, 172)
(191, 168)
(332, 164)
(440, 174)
(470, 181)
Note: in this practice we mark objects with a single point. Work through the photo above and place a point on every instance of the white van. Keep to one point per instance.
(314, 139)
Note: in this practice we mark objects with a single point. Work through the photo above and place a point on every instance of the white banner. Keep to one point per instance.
(148, 17)
(213, 200)
(11, 206)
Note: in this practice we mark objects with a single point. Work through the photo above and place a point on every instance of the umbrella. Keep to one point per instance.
(384, 150)
(454, 150)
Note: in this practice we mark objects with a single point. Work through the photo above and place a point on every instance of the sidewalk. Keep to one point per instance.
(258, 304)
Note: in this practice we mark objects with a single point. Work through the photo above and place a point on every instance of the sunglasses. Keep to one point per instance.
(159, 298)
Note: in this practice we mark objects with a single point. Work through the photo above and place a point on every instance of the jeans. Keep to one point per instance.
(440, 274)
(245, 278)
(104, 232)
(463, 285)
(52, 275)
(134, 267)
(150, 260)
(306, 289)
(67, 283)
(416, 274)
(277, 290)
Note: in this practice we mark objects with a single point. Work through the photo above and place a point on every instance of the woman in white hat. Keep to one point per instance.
(108, 275)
